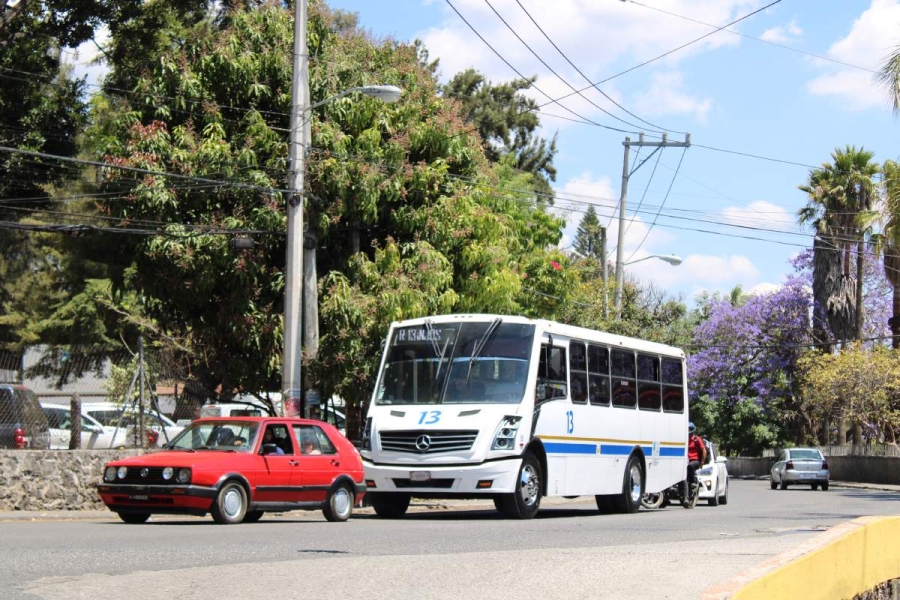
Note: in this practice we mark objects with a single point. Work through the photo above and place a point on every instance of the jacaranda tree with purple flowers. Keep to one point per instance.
(742, 375)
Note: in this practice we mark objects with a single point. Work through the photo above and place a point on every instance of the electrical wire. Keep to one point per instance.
(649, 229)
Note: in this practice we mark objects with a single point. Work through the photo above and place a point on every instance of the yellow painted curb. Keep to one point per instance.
(840, 563)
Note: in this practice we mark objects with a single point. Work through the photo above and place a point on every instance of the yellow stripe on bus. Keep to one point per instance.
(564, 438)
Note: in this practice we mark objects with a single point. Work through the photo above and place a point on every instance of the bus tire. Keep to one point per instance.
(526, 500)
(389, 505)
(629, 500)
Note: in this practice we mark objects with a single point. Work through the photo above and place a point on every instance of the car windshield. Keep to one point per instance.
(235, 436)
(118, 418)
(473, 363)
(805, 455)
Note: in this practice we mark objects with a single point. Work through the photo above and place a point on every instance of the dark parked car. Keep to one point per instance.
(22, 422)
(238, 468)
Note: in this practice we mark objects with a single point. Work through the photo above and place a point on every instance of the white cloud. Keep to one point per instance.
(760, 214)
(717, 271)
(872, 37)
(630, 34)
(782, 34)
(765, 288)
(668, 95)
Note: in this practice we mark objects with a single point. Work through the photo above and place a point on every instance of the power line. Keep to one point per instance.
(536, 88)
(588, 79)
(558, 76)
(758, 39)
(647, 234)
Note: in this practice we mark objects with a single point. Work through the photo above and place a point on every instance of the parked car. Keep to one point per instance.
(160, 429)
(22, 422)
(804, 466)
(238, 468)
(93, 433)
(233, 409)
(713, 477)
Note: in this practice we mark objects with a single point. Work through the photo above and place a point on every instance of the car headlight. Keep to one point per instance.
(505, 436)
(122, 472)
(167, 473)
(109, 474)
(705, 471)
(184, 475)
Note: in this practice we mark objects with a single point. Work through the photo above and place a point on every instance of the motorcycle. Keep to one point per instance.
(673, 494)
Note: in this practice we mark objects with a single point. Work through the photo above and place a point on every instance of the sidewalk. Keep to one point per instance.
(446, 504)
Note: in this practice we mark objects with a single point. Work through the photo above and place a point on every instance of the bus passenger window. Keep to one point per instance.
(672, 389)
(624, 386)
(649, 397)
(598, 368)
(579, 378)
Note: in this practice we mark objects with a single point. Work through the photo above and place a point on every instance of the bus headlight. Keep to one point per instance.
(505, 436)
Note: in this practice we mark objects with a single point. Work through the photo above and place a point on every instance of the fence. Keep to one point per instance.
(125, 398)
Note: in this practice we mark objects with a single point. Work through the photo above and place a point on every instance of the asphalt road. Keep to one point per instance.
(460, 550)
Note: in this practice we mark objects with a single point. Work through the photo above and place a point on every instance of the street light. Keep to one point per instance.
(669, 258)
(300, 140)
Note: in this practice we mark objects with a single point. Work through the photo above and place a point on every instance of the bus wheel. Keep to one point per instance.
(629, 501)
(389, 505)
(526, 500)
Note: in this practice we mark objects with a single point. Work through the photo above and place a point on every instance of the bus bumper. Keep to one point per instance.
(494, 477)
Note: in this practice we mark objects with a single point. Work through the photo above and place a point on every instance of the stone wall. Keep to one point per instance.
(53, 479)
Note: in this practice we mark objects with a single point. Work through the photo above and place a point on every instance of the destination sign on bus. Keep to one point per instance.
(423, 335)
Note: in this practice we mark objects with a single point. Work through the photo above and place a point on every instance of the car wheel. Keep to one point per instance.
(526, 500)
(230, 505)
(825, 486)
(773, 484)
(784, 484)
(652, 501)
(339, 504)
(389, 505)
(723, 499)
(714, 501)
(253, 516)
(629, 500)
(133, 518)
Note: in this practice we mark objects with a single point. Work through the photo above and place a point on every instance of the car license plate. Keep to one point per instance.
(139, 497)
(420, 476)
(807, 475)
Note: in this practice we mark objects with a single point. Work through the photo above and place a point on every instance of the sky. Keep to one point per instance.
(791, 82)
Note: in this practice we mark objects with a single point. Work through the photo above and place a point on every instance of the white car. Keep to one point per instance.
(160, 429)
(233, 409)
(93, 434)
(713, 477)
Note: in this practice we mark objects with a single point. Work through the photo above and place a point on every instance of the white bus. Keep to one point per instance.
(513, 409)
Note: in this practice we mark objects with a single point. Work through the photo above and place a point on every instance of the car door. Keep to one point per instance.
(319, 461)
(778, 467)
(58, 420)
(278, 476)
(722, 479)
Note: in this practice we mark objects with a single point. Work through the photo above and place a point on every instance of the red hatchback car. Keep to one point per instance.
(238, 468)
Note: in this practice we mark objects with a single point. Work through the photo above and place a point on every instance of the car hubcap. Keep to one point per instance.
(341, 502)
(232, 503)
(635, 476)
(528, 485)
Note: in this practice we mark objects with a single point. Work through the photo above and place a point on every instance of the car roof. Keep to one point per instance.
(294, 420)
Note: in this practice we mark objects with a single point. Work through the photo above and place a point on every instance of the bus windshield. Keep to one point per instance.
(462, 363)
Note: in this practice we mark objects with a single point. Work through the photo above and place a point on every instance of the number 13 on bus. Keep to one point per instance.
(516, 409)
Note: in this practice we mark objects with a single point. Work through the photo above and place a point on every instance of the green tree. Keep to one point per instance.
(589, 237)
(887, 243)
(507, 122)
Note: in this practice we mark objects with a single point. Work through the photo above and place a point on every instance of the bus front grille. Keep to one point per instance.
(427, 441)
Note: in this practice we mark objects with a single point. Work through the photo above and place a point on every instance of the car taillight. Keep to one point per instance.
(789, 465)
(152, 437)
(824, 465)
(19, 436)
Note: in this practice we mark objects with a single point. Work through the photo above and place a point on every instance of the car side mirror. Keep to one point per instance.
(721, 459)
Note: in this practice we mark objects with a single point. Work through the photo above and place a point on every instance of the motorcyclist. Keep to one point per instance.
(696, 457)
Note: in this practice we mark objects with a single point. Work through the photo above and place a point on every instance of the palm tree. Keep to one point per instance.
(887, 243)
(889, 76)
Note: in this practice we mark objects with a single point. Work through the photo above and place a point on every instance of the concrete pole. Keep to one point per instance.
(605, 272)
(620, 248)
(293, 296)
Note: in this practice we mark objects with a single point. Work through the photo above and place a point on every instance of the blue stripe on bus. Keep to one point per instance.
(663, 451)
(615, 449)
(558, 448)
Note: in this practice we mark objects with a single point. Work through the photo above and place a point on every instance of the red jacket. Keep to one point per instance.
(696, 448)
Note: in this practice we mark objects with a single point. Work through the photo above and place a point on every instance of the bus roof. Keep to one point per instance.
(554, 328)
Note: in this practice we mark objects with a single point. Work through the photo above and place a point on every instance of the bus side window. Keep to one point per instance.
(672, 389)
(598, 366)
(552, 378)
(578, 372)
(624, 384)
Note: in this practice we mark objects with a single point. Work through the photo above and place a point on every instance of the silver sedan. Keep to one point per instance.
(803, 466)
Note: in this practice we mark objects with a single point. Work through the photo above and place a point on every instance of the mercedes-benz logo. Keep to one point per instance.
(423, 443)
(145, 472)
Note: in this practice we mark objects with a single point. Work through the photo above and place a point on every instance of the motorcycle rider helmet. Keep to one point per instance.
(691, 427)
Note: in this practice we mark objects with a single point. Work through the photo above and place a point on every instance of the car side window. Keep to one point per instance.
(312, 440)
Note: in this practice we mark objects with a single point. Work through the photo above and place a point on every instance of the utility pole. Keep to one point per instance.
(605, 273)
(291, 389)
(626, 174)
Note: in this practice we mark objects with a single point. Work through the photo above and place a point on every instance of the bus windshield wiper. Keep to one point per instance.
(437, 349)
(481, 343)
